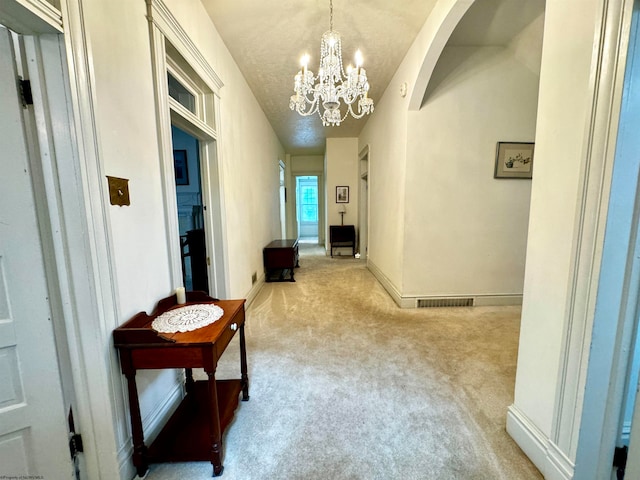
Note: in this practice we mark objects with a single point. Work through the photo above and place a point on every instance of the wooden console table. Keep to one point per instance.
(280, 256)
(194, 432)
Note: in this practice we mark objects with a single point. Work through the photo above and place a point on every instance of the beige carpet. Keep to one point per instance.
(346, 385)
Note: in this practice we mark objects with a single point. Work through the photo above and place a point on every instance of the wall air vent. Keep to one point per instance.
(444, 302)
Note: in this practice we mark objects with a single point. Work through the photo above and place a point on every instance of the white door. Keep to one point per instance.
(33, 431)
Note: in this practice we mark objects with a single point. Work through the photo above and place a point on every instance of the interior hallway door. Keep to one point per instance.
(33, 431)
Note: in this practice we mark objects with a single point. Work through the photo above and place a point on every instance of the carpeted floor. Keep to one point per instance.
(346, 385)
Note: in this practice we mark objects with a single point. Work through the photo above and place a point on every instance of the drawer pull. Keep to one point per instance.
(234, 326)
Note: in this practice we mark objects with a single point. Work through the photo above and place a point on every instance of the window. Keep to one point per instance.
(179, 93)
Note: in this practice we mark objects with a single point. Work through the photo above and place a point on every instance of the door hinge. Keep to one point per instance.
(75, 444)
(25, 92)
(620, 461)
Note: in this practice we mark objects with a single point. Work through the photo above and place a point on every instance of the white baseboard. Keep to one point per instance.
(388, 285)
(152, 425)
(545, 455)
(560, 467)
(255, 290)
(412, 300)
(496, 300)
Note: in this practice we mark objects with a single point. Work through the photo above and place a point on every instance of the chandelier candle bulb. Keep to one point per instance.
(358, 60)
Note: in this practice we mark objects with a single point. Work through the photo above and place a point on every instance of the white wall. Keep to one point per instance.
(249, 152)
(341, 170)
(302, 164)
(458, 218)
(435, 207)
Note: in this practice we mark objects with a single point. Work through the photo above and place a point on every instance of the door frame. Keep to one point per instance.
(321, 202)
(608, 296)
(298, 214)
(168, 41)
(363, 202)
(78, 243)
(282, 194)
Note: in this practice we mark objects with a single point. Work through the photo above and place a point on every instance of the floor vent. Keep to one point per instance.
(444, 302)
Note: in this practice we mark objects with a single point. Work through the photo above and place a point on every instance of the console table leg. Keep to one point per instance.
(243, 366)
(139, 448)
(188, 380)
(214, 426)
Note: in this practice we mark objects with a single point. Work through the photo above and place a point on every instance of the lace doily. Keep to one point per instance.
(187, 318)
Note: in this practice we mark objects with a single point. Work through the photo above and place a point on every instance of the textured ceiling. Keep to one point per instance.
(267, 38)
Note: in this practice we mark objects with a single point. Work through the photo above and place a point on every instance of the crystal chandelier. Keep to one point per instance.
(333, 86)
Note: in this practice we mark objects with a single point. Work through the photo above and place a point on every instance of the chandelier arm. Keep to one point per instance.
(359, 115)
(313, 107)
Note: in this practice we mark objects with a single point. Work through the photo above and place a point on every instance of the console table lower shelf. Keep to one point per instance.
(186, 436)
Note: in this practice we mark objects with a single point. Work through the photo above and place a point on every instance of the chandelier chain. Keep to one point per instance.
(331, 15)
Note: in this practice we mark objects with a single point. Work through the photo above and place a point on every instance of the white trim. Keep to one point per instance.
(31, 17)
(559, 466)
(544, 454)
(412, 300)
(165, 150)
(188, 119)
(218, 271)
(496, 300)
(92, 298)
(255, 290)
(585, 419)
(590, 220)
(87, 281)
(443, 20)
(528, 437)
(160, 16)
(164, 28)
(389, 286)
(322, 210)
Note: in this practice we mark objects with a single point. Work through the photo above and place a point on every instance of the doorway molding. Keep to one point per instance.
(576, 446)
(613, 300)
(363, 202)
(321, 203)
(80, 240)
(173, 51)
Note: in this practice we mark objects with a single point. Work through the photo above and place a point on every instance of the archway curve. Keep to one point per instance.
(444, 18)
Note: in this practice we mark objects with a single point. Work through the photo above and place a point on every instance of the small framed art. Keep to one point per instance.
(181, 167)
(514, 160)
(342, 194)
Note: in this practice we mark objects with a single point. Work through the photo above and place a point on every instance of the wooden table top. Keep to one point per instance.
(137, 331)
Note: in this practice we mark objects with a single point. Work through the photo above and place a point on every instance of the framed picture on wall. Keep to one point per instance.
(514, 160)
(342, 194)
(180, 166)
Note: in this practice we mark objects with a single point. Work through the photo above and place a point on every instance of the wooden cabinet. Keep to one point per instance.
(194, 432)
(342, 236)
(280, 258)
